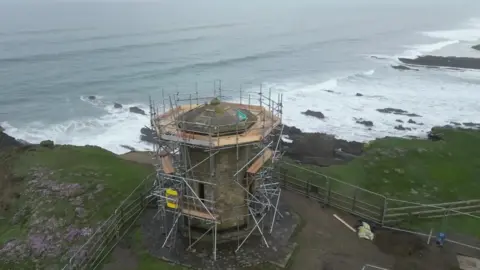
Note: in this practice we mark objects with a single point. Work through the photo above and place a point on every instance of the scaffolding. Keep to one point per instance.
(176, 188)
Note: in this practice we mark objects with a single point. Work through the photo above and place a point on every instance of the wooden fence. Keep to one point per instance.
(370, 205)
(337, 194)
(406, 210)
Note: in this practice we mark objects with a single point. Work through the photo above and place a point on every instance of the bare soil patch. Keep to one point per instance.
(326, 244)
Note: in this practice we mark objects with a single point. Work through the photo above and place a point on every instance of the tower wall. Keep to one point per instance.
(229, 196)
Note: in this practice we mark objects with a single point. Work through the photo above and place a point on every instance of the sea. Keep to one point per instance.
(317, 53)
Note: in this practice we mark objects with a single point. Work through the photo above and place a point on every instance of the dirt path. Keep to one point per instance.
(326, 244)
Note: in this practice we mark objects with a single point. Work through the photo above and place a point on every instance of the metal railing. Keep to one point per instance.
(94, 251)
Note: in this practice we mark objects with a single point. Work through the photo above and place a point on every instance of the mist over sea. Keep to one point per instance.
(53, 55)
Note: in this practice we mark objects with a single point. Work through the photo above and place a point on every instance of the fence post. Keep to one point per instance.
(117, 225)
(307, 189)
(142, 198)
(384, 210)
(328, 189)
(354, 199)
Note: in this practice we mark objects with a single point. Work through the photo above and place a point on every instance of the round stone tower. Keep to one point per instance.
(215, 121)
(212, 163)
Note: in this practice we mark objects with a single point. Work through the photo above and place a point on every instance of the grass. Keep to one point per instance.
(97, 170)
(415, 170)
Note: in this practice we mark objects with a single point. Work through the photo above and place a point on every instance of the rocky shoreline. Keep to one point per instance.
(313, 148)
(443, 61)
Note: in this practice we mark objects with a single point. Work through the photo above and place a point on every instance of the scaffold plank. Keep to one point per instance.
(195, 213)
(258, 163)
(167, 164)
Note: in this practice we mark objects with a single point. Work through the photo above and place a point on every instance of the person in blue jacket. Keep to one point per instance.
(440, 239)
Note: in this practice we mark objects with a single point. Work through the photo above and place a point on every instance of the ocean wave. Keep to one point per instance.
(470, 32)
(157, 73)
(45, 31)
(91, 52)
(149, 33)
(114, 128)
(414, 51)
(422, 49)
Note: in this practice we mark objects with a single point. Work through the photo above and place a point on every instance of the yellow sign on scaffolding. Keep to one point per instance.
(172, 198)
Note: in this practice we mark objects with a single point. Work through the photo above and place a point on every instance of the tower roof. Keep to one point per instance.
(217, 119)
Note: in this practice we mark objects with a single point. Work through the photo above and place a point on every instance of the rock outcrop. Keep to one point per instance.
(364, 122)
(398, 112)
(402, 68)
(47, 143)
(443, 61)
(319, 148)
(137, 110)
(476, 47)
(316, 114)
(148, 135)
(7, 141)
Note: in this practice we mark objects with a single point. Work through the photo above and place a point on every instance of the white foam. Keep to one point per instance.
(414, 94)
(471, 32)
(369, 73)
(114, 128)
(422, 49)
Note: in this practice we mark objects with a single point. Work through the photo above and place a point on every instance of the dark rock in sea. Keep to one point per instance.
(92, 97)
(410, 121)
(476, 47)
(399, 120)
(364, 122)
(117, 105)
(291, 130)
(401, 67)
(329, 91)
(47, 143)
(316, 114)
(392, 110)
(400, 127)
(319, 148)
(137, 110)
(148, 135)
(443, 61)
(358, 95)
(397, 111)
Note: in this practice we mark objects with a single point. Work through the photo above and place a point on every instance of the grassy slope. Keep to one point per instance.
(419, 170)
(87, 166)
(416, 170)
